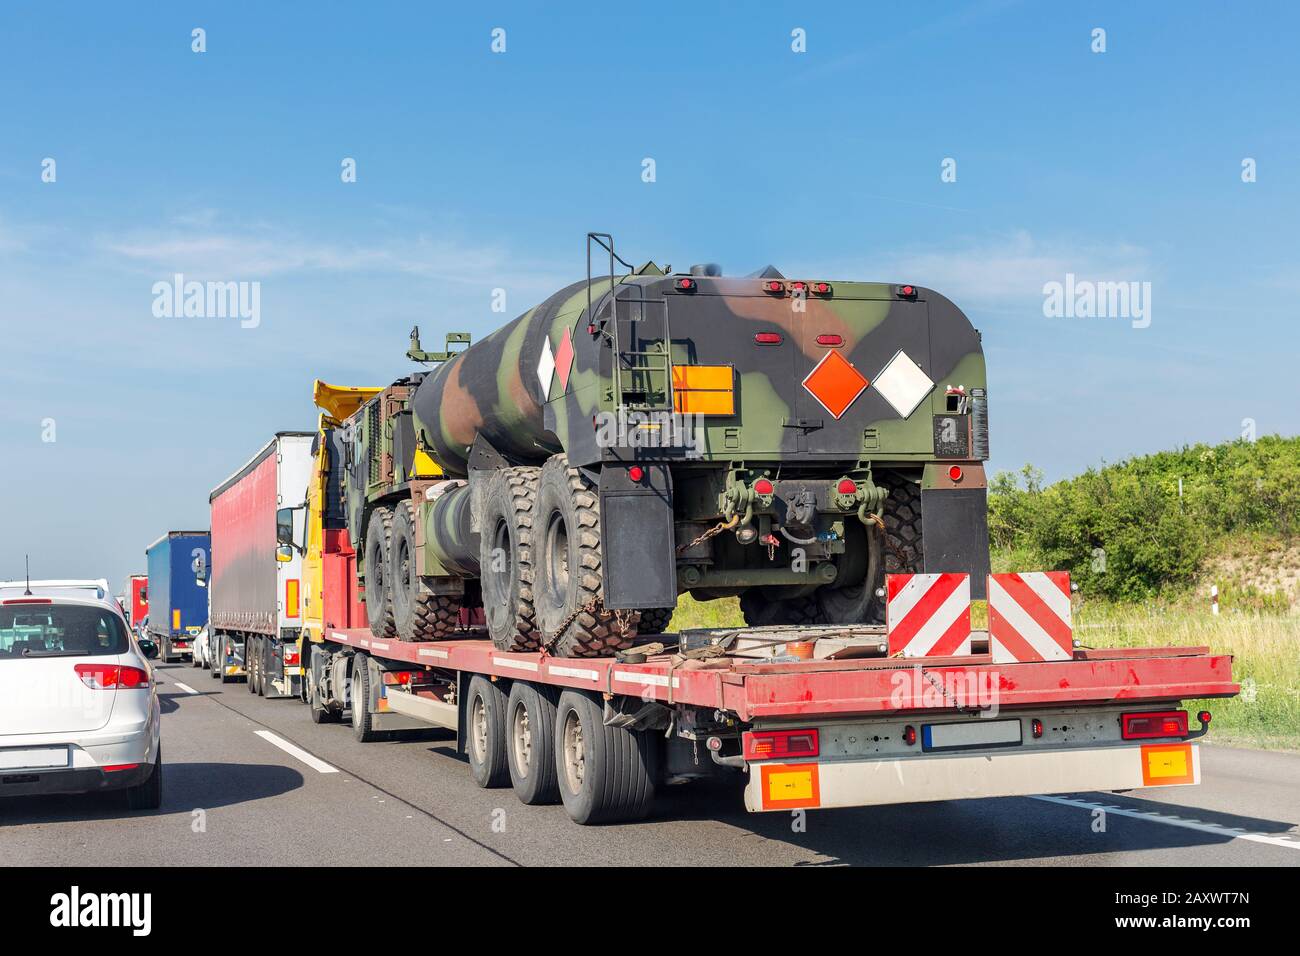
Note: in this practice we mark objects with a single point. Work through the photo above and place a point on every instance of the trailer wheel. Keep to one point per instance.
(362, 717)
(418, 613)
(654, 620)
(506, 559)
(379, 597)
(606, 774)
(485, 733)
(569, 584)
(530, 743)
(250, 664)
(264, 651)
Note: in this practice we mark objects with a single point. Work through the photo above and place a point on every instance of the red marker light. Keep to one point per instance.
(909, 735)
(831, 340)
(767, 338)
(762, 487)
(774, 285)
(847, 486)
(798, 286)
(1036, 728)
(907, 292)
(822, 288)
(955, 473)
(636, 472)
(1203, 716)
(685, 285)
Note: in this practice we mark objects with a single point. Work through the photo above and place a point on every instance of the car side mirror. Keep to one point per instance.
(150, 650)
(284, 552)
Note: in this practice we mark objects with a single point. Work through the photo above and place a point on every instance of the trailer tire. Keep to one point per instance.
(606, 774)
(362, 717)
(379, 596)
(418, 613)
(569, 574)
(264, 650)
(530, 743)
(654, 620)
(250, 664)
(485, 733)
(506, 546)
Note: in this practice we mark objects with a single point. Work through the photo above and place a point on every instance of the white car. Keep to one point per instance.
(78, 702)
(202, 650)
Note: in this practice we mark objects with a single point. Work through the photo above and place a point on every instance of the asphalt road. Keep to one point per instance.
(233, 795)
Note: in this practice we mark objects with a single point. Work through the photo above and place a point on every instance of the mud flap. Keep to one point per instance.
(955, 523)
(639, 567)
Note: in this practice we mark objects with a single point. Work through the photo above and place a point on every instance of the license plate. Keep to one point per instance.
(970, 735)
(34, 758)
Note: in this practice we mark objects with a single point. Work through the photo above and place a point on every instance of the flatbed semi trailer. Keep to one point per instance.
(603, 735)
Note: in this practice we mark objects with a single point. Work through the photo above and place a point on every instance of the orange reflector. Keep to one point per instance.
(703, 390)
(291, 597)
(1167, 764)
(789, 786)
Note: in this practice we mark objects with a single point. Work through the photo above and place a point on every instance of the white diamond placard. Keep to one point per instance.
(902, 383)
(546, 368)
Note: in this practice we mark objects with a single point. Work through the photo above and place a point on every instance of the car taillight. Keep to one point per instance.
(779, 744)
(108, 676)
(1161, 723)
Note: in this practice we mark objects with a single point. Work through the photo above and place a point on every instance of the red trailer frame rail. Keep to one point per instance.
(844, 688)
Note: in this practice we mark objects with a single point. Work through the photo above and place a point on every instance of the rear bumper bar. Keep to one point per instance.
(929, 777)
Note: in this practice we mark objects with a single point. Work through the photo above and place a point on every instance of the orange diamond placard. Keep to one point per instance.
(835, 383)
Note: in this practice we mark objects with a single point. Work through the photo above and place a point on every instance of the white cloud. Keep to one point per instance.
(1008, 272)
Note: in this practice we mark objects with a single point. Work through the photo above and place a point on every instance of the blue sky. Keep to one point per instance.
(478, 170)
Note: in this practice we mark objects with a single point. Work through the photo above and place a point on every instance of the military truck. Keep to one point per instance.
(646, 433)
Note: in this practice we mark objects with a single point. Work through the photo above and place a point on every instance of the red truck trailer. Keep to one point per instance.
(855, 728)
(136, 595)
(255, 616)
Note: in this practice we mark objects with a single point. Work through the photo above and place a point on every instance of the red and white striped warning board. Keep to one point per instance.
(1029, 617)
(928, 615)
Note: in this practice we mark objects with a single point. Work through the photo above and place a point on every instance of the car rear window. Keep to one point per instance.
(65, 630)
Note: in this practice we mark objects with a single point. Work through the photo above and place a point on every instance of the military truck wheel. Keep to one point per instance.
(379, 598)
(902, 517)
(506, 559)
(654, 620)
(418, 613)
(768, 607)
(569, 584)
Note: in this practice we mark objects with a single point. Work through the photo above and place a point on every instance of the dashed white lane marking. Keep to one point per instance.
(186, 687)
(1234, 833)
(314, 762)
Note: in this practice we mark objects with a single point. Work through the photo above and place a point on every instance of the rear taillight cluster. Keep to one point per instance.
(112, 676)
(1159, 723)
(779, 744)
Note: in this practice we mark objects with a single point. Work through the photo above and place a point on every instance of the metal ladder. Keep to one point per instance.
(640, 364)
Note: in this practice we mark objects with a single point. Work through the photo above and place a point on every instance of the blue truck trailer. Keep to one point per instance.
(178, 591)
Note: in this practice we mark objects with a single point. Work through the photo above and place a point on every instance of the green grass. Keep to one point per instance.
(724, 612)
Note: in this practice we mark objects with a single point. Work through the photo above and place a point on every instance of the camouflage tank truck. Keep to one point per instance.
(642, 435)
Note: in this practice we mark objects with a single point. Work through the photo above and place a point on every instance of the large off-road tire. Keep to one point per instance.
(568, 568)
(902, 517)
(654, 620)
(852, 599)
(485, 732)
(418, 613)
(506, 546)
(379, 596)
(606, 774)
(530, 742)
(766, 607)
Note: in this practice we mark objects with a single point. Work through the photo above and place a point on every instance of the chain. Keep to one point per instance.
(622, 621)
(903, 563)
(713, 532)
